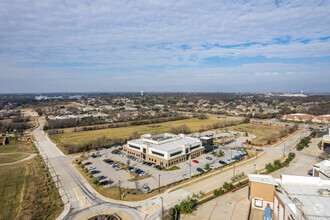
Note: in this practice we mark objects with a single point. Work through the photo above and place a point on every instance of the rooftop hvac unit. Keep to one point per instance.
(324, 192)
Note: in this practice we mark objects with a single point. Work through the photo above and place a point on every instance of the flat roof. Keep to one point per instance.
(304, 192)
(170, 145)
(267, 179)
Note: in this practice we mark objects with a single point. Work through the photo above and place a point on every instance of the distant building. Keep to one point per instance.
(321, 119)
(291, 197)
(322, 170)
(207, 143)
(141, 93)
(299, 117)
(325, 143)
(164, 149)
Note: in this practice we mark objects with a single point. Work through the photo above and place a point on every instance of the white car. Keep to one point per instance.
(91, 168)
(211, 167)
(188, 164)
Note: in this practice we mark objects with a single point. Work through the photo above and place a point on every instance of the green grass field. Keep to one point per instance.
(125, 132)
(12, 157)
(262, 133)
(26, 188)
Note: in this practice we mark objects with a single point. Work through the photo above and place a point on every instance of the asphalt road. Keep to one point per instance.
(76, 193)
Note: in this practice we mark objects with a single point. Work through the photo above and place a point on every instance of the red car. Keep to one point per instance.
(195, 161)
(88, 163)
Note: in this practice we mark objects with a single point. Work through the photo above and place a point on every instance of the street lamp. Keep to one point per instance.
(162, 208)
(254, 168)
(159, 183)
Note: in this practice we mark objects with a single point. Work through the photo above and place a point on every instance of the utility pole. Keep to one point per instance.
(119, 190)
(162, 208)
(159, 183)
(234, 171)
(190, 169)
(254, 168)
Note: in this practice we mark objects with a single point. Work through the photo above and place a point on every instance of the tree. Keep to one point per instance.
(207, 166)
(246, 120)
(202, 116)
(269, 167)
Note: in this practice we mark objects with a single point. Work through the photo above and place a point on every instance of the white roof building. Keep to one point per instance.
(165, 146)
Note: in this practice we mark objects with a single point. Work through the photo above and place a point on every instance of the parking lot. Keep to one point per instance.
(152, 174)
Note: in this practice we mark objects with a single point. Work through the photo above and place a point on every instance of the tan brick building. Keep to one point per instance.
(164, 149)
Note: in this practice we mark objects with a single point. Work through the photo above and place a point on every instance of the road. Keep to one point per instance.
(80, 198)
(76, 193)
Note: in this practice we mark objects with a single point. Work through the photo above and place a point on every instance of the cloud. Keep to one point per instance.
(267, 74)
(84, 39)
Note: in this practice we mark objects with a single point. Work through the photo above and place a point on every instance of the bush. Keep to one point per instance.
(269, 167)
(96, 182)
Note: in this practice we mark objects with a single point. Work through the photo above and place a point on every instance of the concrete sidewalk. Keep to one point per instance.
(233, 206)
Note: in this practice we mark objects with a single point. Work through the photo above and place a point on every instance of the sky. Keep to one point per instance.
(164, 46)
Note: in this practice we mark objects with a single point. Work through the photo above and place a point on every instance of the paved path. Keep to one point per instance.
(76, 193)
(25, 159)
(233, 206)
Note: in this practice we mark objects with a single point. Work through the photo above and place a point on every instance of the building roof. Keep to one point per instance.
(324, 167)
(165, 142)
(305, 193)
(267, 179)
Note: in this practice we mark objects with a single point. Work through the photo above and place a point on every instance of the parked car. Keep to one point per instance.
(200, 170)
(211, 167)
(95, 171)
(106, 182)
(208, 158)
(145, 188)
(91, 168)
(188, 164)
(100, 177)
(222, 162)
(310, 172)
(118, 168)
(88, 163)
(195, 161)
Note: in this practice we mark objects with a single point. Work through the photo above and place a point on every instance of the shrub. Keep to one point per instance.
(269, 167)
(96, 182)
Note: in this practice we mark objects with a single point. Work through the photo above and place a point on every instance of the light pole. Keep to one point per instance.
(234, 171)
(283, 149)
(162, 208)
(159, 183)
(190, 169)
(254, 168)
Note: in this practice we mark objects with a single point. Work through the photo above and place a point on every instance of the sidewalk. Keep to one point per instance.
(233, 206)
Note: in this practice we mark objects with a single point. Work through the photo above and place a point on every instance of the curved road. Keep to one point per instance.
(77, 195)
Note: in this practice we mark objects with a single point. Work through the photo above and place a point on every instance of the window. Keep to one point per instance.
(158, 154)
(176, 153)
(258, 203)
(135, 147)
(194, 147)
(144, 150)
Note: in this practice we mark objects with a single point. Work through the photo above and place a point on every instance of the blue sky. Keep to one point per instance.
(172, 45)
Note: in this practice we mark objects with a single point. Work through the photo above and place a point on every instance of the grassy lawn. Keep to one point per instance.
(27, 192)
(262, 133)
(173, 168)
(125, 132)
(12, 157)
(26, 189)
(18, 146)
